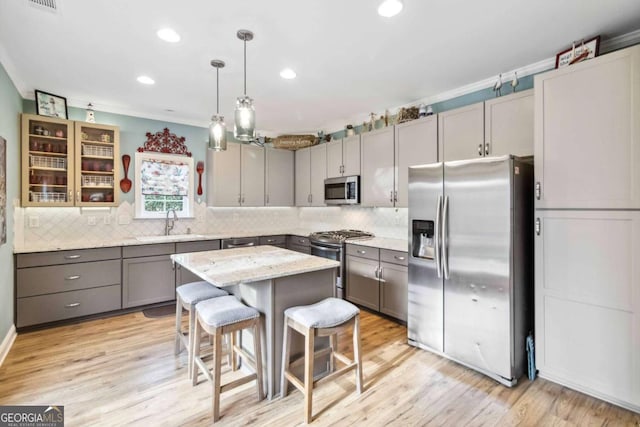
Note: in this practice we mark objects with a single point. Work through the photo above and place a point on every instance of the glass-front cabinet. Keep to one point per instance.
(47, 172)
(95, 161)
(66, 163)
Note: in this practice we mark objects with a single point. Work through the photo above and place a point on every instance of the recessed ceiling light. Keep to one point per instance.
(288, 74)
(168, 35)
(146, 80)
(389, 8)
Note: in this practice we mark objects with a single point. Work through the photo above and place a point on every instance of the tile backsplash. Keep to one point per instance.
(53, 225)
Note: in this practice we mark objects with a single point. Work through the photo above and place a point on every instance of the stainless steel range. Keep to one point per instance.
(330, 244)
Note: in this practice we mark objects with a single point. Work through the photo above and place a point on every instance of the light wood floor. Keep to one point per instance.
(122, 371)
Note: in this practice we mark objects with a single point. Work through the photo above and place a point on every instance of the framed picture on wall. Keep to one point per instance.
(3, 191)
(48, 104)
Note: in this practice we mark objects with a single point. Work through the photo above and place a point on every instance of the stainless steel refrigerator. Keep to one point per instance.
(471, 262)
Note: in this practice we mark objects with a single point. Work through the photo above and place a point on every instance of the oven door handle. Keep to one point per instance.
(326, 249)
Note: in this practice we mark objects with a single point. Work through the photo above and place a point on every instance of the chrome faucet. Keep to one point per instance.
(168, 227)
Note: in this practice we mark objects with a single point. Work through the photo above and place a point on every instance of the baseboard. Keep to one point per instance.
(7, 342)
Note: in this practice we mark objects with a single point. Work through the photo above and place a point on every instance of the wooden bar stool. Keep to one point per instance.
(326, 318)
(218, 317)
(187, 296)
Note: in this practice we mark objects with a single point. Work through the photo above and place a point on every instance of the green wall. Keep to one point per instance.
(10, 108)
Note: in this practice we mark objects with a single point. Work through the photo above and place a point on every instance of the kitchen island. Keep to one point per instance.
(271, 280)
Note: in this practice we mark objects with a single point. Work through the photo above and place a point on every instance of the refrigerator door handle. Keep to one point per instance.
(437, 237)
(445, 235)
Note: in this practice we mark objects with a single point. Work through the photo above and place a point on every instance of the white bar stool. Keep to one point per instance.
(326, 318)
(218, 317)
(187, 296)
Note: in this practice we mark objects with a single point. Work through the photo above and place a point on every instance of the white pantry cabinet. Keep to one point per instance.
(279, 177)
(587, 132)
(311, 171)
(236, 177)
(587, 302)
(416, 143)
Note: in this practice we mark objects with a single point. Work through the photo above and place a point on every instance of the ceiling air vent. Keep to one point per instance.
(49, 5)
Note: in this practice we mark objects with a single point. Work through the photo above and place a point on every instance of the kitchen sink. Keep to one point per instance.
(169, 238)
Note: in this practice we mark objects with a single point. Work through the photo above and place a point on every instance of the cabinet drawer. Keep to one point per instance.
(394, 257)
(300, 248)
(273, 240)
(66, 305)
(62, 278)
(363, 251)
(204, 245)
(298, 240)
(148, 250)
(66, 257)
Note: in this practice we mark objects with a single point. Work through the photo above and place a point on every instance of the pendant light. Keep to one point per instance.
(244, 128)
(217, 128)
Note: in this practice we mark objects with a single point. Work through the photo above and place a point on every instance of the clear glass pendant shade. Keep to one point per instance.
(217, 133)
(244, 128)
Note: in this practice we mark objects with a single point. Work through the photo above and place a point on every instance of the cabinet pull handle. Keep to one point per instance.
(267, 199)
(399, 258)
(243, 199)
(77, 196)
(270, 240)
(302, 241)
(538, 227)
(376, 273)
(76, 277)
(361, 251)
(538, 190)
(239, 199)
(395, 196)
(70, 195)
(72, 256)
(391, 196)
(486, 148)
(480, 150)
(380, 273)
(72, 305)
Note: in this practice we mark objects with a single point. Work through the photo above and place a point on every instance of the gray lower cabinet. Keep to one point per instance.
(182, 274)
(52, 286)
(148, 274)
(239, 242)
(299, 244)
(377, 279)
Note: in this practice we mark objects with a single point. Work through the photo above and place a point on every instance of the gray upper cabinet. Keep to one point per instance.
(508, 124)
(416, 143)
(343, 157)
(377, 154)
(236, 176)
(461, 133)
(587, 132)
(279, 177)
(311, 171)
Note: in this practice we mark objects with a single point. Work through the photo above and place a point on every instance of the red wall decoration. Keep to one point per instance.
(165, 142)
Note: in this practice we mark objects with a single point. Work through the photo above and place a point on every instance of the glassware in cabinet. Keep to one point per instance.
(47, 148)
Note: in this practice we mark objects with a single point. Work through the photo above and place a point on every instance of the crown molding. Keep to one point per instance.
(12, 72)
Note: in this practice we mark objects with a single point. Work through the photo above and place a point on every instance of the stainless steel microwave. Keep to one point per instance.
(344, 190)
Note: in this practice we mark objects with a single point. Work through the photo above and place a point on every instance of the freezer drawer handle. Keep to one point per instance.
(538, 190)
(76, 277)
(72, 305)
(445, 240)
(538, 226)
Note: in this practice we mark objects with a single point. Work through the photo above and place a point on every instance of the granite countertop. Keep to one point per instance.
(46, 246)
(401, 245)
(251, 264)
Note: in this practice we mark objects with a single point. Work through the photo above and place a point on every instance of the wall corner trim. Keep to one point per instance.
(7, 342)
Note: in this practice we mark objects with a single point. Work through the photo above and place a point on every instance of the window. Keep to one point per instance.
(164, 182)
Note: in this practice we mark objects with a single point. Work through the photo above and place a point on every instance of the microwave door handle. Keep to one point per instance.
(436, 233)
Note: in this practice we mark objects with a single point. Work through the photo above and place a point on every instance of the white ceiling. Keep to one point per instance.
(349, 60)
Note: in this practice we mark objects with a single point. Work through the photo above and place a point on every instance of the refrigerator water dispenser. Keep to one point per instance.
(423, 239)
